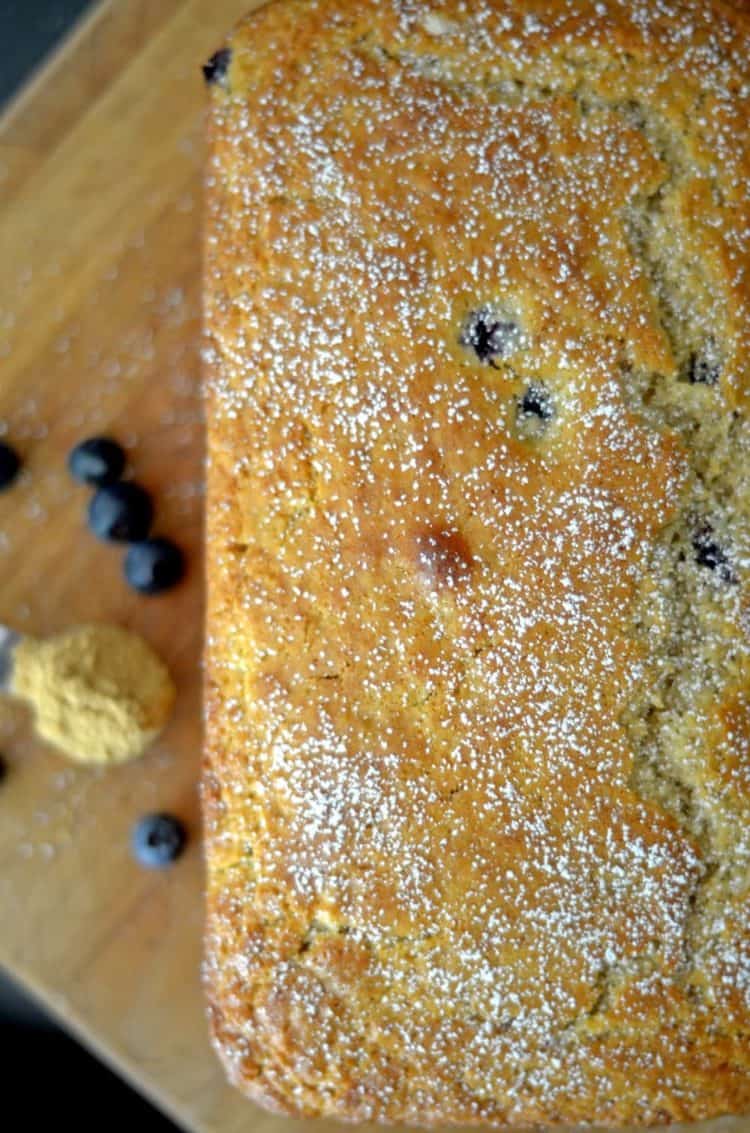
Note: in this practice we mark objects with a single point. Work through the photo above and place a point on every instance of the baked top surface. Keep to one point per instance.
(478, 723)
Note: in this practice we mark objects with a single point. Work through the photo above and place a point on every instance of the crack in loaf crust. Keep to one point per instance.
(478, 774)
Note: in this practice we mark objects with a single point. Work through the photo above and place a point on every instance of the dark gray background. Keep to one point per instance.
(28, 29)
(46, 1076)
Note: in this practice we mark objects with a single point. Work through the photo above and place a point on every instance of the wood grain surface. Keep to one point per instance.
(100, 206)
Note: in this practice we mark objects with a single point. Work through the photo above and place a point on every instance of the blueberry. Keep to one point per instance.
(709, 554)
(121, 512)
(537, 402)
(3, 769)
(10, 464)
(704, 366)
(97, 460)
(154, 565)
(215, 70)
(489, 335)
(158, 840)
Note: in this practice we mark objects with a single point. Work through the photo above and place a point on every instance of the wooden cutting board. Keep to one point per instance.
(100, 207)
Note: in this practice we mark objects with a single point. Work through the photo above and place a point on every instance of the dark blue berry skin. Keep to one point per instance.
(10, 464)
(98, 460)
(3, 768)
(709, 554)
(121, 512)
(536, 402)
(154, 565)
(215, 70)
(488, 336)
(702, 372)
(158, 840)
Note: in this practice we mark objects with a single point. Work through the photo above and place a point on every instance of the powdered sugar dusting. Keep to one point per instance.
(427, 548)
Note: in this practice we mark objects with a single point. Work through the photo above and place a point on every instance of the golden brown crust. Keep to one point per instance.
(476, 817)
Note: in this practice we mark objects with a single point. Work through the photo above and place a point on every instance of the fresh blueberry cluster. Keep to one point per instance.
(121, 511)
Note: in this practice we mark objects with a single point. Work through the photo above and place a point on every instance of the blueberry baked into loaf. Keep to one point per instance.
(477, 787)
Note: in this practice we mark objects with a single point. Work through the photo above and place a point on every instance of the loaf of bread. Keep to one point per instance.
(477, 785)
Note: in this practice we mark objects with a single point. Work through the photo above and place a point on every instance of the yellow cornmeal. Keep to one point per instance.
(100, 694)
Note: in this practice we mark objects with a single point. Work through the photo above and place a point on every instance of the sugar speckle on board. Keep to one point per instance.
(123, 362)
(465, 659)
(35, 511)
